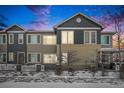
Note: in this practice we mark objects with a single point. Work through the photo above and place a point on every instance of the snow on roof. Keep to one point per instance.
(111, 28)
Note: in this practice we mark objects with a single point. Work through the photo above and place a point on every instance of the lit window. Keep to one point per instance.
(90, 37)
(20, 38)
(11, 56)
(105, 40)
(2, 57)
(49, 39)
(33, 57)
(33, 39)
(2, 39)
(11, 38)
(50, 58)
(67, 37)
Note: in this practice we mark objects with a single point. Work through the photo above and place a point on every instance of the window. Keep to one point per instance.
(11, 39)
(2, 57)
(50, 58)
(34, 57)
(67, 37)
(90, 37)
(20, 38)
(2, 39)
(33, 39)
(11, 56)
(105, 40)
(64, 57)
(49, 39)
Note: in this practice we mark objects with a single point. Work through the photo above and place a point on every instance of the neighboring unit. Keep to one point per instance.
(79, 38)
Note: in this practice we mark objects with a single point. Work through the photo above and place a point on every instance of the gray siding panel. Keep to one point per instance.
(15, 48)
(78, 37)
(98, 37)
(84, 23)
(58, 37)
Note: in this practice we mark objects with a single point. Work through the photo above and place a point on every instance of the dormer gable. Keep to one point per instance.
(14, 27)
(79, 20)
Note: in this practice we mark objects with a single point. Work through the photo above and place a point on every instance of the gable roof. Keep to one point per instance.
(19, 28)
(77, 15)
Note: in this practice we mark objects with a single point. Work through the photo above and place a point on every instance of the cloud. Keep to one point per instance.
(41, 13)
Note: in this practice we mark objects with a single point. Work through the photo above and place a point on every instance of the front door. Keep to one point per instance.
(21, 58)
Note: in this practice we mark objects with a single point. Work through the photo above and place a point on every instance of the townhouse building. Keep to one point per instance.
(78, 35)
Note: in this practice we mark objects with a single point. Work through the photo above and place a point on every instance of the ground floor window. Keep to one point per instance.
(105, 40)
(64, 57)
(11, 56)
(50, 58)
(2, 57)
(33, 57)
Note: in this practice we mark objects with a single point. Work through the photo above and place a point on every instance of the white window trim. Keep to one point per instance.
(6, 57)
(90, 37)
(18, 55)
(5, 40)
(9, 56)
(109, 40)
(33, 43)
(50, 54)
(22, 40)
(49, 44)
(67, 37)
(12, 38)
(33, 53)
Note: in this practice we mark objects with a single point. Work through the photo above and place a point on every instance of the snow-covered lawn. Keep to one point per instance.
(49, 79)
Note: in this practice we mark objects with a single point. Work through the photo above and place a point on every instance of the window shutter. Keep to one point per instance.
(38, 57)
(38, 38)
(4, 57)
(29, 57)
(4, 39)
(29, 39)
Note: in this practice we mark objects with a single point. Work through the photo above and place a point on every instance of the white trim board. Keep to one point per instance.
(79, 28)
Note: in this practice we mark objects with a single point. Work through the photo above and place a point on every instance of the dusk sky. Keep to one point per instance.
(45, 17)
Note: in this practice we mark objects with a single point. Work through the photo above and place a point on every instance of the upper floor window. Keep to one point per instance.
(2, 57)
(105, 39)
(2, 39)
(33, 39)
(49, 39)
(11, 38)
(67, 37)
(33, 57)
(90, 37)
(20, 38)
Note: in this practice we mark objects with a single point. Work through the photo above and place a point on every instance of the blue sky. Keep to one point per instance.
(45, 17)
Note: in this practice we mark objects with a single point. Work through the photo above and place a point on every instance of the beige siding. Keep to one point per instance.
(42, 49)
(83, 52)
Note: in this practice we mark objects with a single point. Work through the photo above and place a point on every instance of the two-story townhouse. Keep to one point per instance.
(79, 34)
